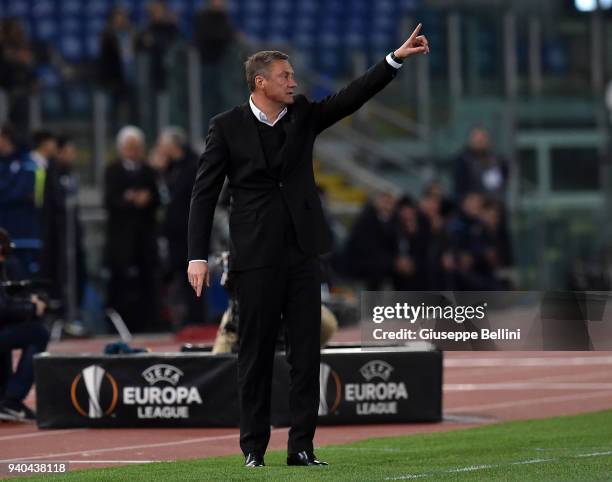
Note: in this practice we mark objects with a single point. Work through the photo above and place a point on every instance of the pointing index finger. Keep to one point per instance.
(416, 32)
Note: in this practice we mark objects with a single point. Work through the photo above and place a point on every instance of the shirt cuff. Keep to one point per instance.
(194, 260)
(392, 62)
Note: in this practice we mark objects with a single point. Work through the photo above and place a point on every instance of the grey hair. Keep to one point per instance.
(130, 131)
(174, 135)
(258, 63)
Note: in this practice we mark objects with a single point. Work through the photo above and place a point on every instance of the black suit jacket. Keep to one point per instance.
(233, 149)
(131, 231)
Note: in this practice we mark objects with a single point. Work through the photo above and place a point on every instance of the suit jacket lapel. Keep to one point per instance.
(251, 137)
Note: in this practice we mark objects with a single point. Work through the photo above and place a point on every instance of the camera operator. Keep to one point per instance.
(20, 328)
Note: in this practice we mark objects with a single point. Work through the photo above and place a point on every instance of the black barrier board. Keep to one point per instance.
(393, 386)
(200, 389)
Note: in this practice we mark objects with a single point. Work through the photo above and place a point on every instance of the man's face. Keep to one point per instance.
(169, 149)
(49, 148)
(156, 11)
(279, 82)
(67, 155)
(472, 205)
(479, 140)
(6, 146)
(132, 149)
(385, 204)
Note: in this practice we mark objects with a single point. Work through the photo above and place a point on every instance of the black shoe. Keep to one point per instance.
(254, 460)
(304, 458)
(15, 411)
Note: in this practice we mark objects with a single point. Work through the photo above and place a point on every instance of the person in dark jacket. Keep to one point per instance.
(117, 63)
(178, 176)
(156, 39)
(277, 231)
(20, 329)
(213, 37)
(370, 250)
(131, 198)
(63, 260)
(433, 220)
(411, 250)
(479, 169)
(473, 248)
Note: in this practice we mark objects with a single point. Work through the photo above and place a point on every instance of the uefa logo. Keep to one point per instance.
(94, 392)
(376, 369)
(330, 388)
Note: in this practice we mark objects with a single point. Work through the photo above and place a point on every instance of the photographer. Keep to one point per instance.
(20, 328)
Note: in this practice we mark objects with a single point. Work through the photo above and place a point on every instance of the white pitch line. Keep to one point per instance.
(595, 454)
(527, 362)
(116, 461)
(474, 468)
(533, 461)
(466, 387)
(528, 401)
(129, 447)
(41, 434)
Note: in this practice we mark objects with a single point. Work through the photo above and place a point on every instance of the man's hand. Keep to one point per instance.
(197, 273)
(41, 306)
(142, 198)
(404, 265)
(416, 44)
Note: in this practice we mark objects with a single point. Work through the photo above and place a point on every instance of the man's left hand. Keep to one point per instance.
(416, 44)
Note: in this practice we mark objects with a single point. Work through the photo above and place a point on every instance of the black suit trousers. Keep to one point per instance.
(287, 294)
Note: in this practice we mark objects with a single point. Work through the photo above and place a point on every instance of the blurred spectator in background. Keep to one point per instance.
(20, 329)
(371, 245)
(156, 40)
(213, 37)
(491, 218)
(17, 65)
(16, 193)
(131, 198)
(412, 246)
(178, 176)
(63, 256)
(117, 65)
(474, 252)
(24, 217)
(434, 215)
(478, 169)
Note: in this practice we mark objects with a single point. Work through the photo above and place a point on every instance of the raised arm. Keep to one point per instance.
(344, 103)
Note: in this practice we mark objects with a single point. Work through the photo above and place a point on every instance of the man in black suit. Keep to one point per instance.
(277, 231)
(131, 198)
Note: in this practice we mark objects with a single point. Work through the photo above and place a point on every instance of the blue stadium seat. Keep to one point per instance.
(71, 47)
(71, 7)
(255, 7)
(93, 46)
(281, 7)
(18, 9)
(303, 40)
(178, 7)
(47, 29)
(40, 8)
(70, 25)
(279, 24)
(307, 7)
(254, 26)
(97, 8)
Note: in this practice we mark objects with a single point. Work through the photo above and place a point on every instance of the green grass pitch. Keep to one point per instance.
(576, 448)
